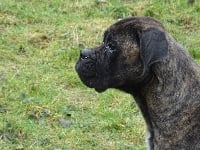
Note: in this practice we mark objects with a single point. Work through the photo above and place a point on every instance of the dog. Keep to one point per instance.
(140, 57)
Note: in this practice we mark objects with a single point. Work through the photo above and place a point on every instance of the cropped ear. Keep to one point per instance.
(153, 46)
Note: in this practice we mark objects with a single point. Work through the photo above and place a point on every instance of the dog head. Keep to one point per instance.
(129, 48)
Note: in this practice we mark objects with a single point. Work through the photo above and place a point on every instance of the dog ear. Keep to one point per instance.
(153, 46)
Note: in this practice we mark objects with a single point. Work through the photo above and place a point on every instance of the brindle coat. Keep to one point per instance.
(139, 57)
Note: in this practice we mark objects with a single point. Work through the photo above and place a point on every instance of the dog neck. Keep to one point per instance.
(163, 98)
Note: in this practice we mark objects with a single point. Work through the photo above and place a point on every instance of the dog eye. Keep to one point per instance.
(109, 47)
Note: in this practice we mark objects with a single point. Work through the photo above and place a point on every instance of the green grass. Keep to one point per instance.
(39, 45)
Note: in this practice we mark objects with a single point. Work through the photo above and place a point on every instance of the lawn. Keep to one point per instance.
(43, 104)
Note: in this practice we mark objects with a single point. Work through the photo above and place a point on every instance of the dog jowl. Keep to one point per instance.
(140, 57)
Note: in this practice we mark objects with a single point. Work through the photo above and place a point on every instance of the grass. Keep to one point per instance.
(43, 104)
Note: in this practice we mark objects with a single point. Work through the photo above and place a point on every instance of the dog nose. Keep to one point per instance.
(85, 54)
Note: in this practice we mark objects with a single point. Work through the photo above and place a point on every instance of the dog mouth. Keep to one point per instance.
(96, 84)
(90, 79)
(91, 74)
(100, 90)
(85, 68)
(93, 82)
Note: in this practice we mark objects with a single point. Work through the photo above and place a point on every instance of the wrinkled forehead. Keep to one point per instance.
(115, 37)
(114, 32)
(134, 23)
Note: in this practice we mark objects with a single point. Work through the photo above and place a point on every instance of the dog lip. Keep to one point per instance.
(100, 90)
(91, 84)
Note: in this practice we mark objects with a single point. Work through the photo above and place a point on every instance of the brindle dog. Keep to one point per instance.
(138, 56)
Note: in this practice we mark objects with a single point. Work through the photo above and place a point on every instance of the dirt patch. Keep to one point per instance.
(39, 40)
(7, 19)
